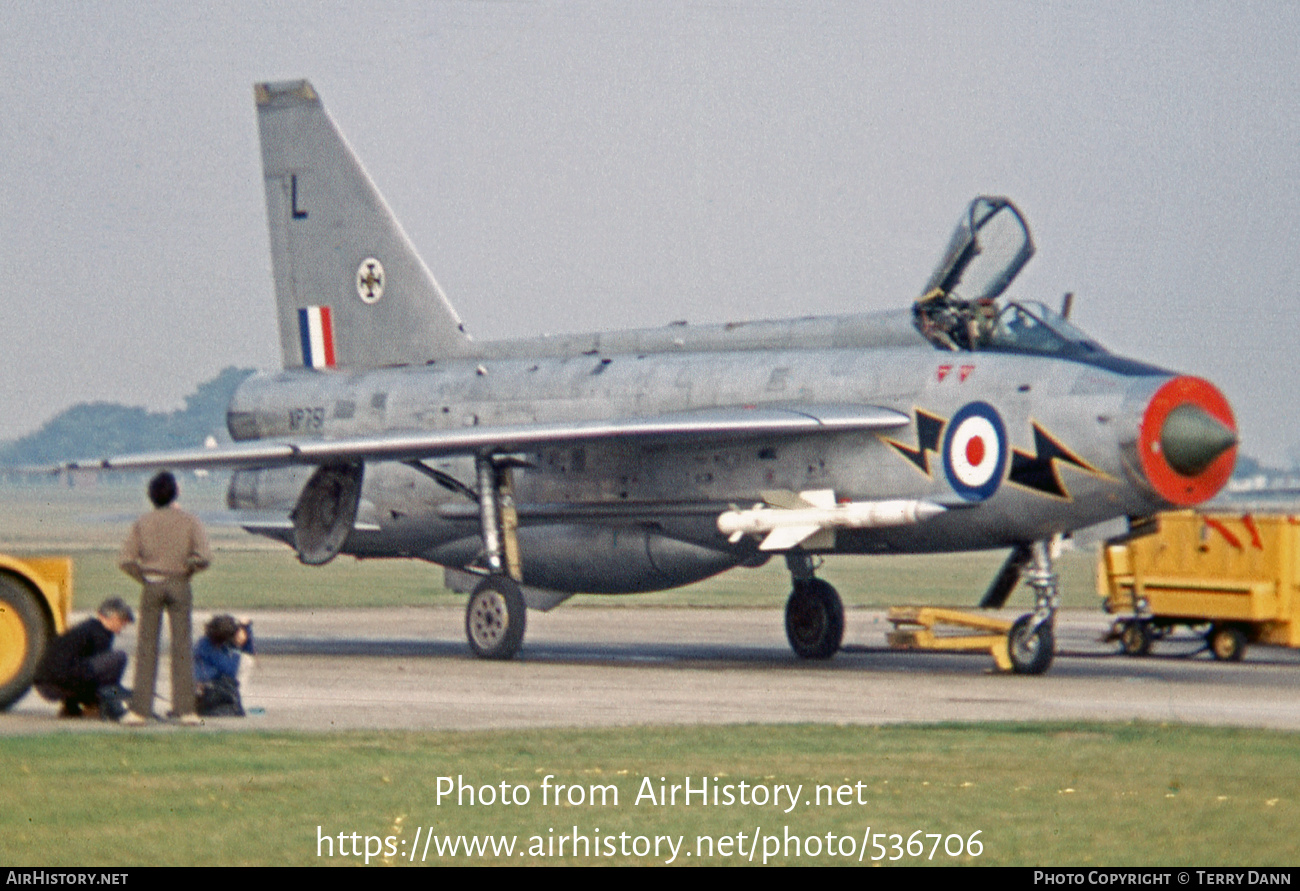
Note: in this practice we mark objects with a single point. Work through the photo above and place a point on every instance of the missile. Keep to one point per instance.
(795, 518)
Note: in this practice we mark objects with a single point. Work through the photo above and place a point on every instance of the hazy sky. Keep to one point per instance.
(568, 166)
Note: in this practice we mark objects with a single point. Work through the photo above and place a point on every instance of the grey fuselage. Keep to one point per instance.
(617, 517)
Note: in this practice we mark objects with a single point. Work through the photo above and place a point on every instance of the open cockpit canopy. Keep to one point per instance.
(958, 309)
(989, 247)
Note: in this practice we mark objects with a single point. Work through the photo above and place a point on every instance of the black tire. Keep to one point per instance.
(1227, 643)
(24, 632)
(814, 620)
(1030, 653)
(1135, 639)
(495, 618)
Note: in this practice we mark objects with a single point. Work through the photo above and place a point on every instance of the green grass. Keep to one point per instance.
(273, 578)
(1076, 794)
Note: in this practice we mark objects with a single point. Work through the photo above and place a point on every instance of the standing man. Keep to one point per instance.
(81, 668)
(166, 546)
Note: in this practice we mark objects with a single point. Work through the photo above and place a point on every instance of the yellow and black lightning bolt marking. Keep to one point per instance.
(1041, 470)
(928, 430)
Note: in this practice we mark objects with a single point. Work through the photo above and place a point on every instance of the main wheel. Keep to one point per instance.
(494, 618)
(1030, 653)
(23, 636)
(1227, 643)
(1136, 638)
(814, 620)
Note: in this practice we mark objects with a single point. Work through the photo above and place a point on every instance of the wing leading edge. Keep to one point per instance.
(712, 424)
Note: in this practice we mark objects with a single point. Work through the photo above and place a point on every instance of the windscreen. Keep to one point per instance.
(1033, 328)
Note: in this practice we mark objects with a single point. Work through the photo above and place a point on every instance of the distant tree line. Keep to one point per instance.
(98, 429)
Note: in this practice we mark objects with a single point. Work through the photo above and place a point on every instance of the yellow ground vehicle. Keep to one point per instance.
(1234, 573)
(35, 596)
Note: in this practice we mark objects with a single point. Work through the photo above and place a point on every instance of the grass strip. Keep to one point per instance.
(1037, 794)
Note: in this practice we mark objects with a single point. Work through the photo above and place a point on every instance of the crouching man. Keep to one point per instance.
(81, 669)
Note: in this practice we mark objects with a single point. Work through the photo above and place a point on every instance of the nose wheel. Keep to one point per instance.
(1030, 646)
(1031, 642)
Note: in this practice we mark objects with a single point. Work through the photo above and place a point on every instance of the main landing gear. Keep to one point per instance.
(1031, 642)
(496, 614)
(814, 614)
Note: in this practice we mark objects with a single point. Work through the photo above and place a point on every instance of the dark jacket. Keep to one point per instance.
(66, 660)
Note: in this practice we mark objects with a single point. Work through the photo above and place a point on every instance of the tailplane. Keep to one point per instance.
(350, 289)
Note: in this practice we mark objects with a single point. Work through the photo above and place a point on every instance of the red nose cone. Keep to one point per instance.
(1188, 441)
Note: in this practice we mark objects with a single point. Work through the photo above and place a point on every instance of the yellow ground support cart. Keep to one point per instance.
(35, 596)
(1236, 575)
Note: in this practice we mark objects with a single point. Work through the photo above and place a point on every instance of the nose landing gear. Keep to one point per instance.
(1031, 642)
(1032, 639)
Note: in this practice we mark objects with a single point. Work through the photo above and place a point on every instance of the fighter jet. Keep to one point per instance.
(641, 460)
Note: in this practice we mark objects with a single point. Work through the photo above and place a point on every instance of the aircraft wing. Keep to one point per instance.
(720, 424)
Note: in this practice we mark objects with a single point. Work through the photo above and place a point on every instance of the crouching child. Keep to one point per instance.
(220, 657)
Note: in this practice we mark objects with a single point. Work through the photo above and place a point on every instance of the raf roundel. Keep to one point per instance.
(370, 280)
(975, 451)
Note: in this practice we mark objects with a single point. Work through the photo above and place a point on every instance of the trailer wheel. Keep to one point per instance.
(1136, 638)
(1227, 643)
(23, 635)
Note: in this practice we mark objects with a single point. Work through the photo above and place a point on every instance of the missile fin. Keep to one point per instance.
(786, 537)
(783, 498)
(823, 498)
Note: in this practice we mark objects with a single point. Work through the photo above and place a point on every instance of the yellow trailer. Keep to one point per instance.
(35, 597)
(1234, 574)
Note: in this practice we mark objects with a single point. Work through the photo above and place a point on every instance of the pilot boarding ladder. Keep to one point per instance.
(916, 628)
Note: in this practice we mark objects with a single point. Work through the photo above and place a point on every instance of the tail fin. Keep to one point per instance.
(350, 288)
